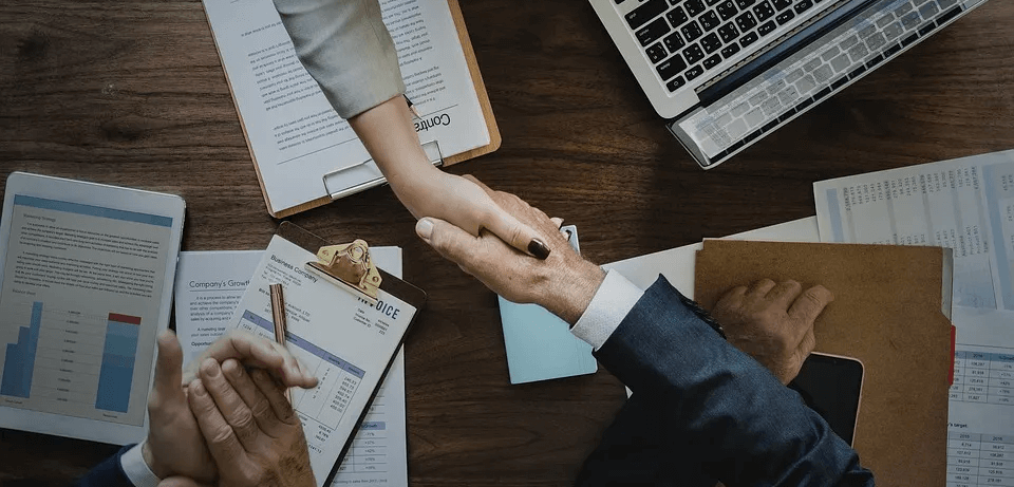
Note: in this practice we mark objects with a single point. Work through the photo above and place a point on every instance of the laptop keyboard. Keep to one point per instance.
(686, 38)
(804, 79)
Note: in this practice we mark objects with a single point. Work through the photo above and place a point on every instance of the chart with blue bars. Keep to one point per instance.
(70, 361)
(19, 363)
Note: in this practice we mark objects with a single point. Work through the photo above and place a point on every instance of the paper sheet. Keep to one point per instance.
(966, 204)
(295, 135)
(379, 455)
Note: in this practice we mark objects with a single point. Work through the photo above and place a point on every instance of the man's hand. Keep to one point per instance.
(564, 283)
(773, 323)
(175, 445)
(252, 432)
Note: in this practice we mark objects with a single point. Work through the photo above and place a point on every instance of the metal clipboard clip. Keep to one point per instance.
(349, 266)
(351, 179)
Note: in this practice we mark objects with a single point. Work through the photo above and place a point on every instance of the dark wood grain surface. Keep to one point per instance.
(132, 92)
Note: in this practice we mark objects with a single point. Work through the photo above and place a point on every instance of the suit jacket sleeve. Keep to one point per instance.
(109, 473)
(728, 413)
(346, 47)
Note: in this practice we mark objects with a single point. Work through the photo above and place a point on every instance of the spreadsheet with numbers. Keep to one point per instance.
(983, 386)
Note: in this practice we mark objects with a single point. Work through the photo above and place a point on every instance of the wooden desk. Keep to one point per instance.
(132, 92)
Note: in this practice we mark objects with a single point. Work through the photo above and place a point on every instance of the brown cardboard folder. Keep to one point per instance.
(889, 312)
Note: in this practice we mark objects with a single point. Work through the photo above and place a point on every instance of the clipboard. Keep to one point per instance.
(436, 157)
(389, 284)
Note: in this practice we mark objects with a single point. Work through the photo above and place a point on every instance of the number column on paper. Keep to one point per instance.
(975, 460)
(983, 377)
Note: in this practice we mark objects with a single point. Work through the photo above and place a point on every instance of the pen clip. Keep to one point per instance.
(349, 266)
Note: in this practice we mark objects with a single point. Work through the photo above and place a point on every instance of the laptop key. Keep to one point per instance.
(712, 61)
(730, 50)
(656, 52)
(782, 4)
(944, 4)
(728, 33)
(841, 63)
(676, 83)
(674, 42)
(848, 43)
(943, 19)
(693, 54)
(784, 17)
(746, 21)
(711, 43)
(859, 52)
(694, 7)
(709, 21)
(803, 6)
(747, 3)
(726, 10)
(691, 31)
(823, 73)
(677, 17)
(749, 39)
(764, 11)
(643, 14)
(671, 67)
(652, 32)
(894, 30)
(929, 10)
(694, 72)
(867, 31)
(839, 83)
(911, 20)
(711, 3)
(876, 41)
(767, 28)
(891, 50)
(927, 29)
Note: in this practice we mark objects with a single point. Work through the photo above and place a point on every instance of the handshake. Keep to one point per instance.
(225, 421)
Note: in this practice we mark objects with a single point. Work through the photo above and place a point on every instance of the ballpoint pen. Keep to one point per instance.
(278, 315)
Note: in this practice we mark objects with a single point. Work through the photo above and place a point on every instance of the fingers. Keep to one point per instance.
(809, 305)
(179, 482)
(807, 345)
(761, 287)
(232, 407)
(275, 396)
(451, 242)
(261, 353)
(168, 372)
(254, 399)
(510, 229)
(225, 448)
(517, 234)
(784, 293)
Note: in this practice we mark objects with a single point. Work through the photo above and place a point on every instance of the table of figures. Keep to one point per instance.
(983, 377)
(975, 460)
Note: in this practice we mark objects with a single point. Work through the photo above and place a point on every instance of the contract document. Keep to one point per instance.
(968, 205)
(209, 288)
(295, 136)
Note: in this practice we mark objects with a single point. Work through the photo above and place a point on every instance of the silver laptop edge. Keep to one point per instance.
(754, 92)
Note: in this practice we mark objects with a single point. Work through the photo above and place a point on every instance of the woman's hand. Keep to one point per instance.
(388, 134)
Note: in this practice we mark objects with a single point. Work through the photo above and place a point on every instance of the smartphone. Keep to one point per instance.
(832, 385)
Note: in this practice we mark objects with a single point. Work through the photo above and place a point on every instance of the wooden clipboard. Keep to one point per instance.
(390, 284)
(480, 90)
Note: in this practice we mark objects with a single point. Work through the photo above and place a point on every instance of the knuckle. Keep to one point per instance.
(242, 419)
(260, 408)
(222, 435)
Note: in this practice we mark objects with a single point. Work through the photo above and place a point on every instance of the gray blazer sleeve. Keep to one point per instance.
(346, 47)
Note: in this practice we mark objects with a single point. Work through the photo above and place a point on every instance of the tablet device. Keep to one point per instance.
(832, 386)
(87, 272)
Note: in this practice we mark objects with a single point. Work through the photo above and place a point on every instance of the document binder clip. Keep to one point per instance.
(349, 266)
(360, 176)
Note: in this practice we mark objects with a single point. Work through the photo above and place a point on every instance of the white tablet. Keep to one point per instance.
(87, 272)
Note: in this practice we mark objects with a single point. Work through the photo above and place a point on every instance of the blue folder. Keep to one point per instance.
(539, 345)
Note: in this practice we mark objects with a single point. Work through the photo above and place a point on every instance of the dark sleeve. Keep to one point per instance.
(725, 411)
(109, 473)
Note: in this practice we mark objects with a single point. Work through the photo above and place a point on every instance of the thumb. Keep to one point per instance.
(178, 482)
(517, 234)
(451, 242)
(169, 368)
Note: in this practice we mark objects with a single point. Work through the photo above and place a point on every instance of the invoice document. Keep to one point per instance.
(968, 205)
(295, 136)
(209, 288)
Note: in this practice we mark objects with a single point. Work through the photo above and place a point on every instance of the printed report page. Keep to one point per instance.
(294, 133)
(79, 308)
(346, 342)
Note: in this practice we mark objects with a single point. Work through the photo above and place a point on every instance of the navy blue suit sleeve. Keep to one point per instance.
(109, 473)
(725, 412)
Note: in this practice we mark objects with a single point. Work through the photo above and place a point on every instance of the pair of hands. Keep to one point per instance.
(772, 322)
(222, 423)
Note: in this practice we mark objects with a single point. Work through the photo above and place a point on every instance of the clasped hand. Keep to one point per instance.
(771, 322)
(216, 422)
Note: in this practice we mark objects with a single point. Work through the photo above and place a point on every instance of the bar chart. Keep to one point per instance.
(69, 359)
(19, 363)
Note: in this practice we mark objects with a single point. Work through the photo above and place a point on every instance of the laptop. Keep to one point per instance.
(725, 73)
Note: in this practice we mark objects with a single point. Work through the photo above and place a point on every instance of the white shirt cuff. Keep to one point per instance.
(136, 469)
(615, 298)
